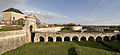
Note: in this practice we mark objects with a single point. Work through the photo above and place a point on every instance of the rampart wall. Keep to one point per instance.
(51, 29)
(12, 39)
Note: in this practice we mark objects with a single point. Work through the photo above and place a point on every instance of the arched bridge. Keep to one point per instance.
(45, 37)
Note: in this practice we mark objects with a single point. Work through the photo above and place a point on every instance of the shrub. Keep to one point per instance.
(66, 30)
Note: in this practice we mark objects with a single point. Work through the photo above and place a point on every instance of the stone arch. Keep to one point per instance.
(32, 36)
(118, 37)
(75, 38)
(58, 38)
(67, 38)
(41, 39)
(113, 38)
(91, 38)
(83, 38)
(31, 28)
(106, 38)
(50, 39)
(98, 38)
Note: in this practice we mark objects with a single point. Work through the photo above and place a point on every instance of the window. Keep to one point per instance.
(13, 18)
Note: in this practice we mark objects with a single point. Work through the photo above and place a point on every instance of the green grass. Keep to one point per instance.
(66, 30)
(91, 44)
(10, 28)
(3, 30)
(58, 48)
(113, 45)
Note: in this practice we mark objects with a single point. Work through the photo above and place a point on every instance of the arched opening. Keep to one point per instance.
(118, 37)
(31, 28)
(41, 39)
(50, 39)
(58, 39)
(32, 37)
(32, 34)
(113, 38)
(98, 39)
(91, 38)
(106, 38)
(83, 39)
(67, 39)
(75, 38)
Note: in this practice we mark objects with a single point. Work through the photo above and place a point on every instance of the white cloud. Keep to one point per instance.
(100, 1)
(89, 20)
(44, 14)
(28, 9)
(5, 4)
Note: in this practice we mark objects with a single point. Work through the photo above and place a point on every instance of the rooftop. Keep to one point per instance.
(13, 10)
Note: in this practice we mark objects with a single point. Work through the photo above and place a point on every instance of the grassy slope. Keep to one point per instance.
(113, 45)
(58, 48)
(91, 44)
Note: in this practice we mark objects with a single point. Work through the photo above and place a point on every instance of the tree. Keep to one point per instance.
(21, 21)
(71, 24)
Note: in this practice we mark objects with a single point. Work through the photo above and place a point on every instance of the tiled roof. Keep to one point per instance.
(13, 10)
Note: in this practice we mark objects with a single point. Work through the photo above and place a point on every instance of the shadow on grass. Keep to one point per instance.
(71, 51)
(92, 44)
(113, 49)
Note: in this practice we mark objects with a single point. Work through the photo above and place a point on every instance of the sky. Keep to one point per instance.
(68, 11)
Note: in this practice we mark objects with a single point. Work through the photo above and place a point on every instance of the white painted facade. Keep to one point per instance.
(50, 29)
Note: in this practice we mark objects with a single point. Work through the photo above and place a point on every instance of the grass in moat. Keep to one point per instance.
(58, 48)
(114, 45)
(92, 44)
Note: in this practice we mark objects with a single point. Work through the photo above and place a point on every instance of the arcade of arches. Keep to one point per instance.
(50, 39)
(62, 38)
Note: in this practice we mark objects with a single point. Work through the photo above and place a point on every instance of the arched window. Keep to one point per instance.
(13, 18)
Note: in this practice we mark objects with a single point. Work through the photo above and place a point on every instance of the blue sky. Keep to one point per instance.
(75, 11)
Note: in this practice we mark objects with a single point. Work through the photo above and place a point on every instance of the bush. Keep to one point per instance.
(9, 28)
(66, 30)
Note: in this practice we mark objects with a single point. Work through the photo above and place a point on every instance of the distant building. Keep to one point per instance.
(76, 28)
(11, 15)
(15, 16)
(73, 28)
(43, 25)
(101, 28)
(116, 30)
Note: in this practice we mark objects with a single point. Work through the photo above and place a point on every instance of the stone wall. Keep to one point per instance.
(51, 29)
(10, 33)
(71, 35)
(12, 39)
